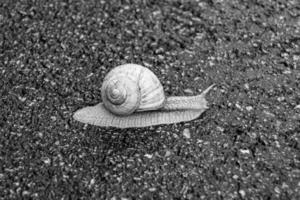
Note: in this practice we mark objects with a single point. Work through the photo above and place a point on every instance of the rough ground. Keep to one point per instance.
(54, 55)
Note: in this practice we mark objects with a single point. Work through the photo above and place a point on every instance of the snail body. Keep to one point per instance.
(134, 97)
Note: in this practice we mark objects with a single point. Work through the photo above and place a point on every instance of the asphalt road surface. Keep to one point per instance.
(55, 54)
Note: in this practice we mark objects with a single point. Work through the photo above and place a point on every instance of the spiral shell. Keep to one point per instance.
(132, 88)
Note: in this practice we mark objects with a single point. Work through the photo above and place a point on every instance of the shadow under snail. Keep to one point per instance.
(133, 96)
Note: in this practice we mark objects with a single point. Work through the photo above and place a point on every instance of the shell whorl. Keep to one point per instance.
(121, 95)
(131, 88)
(116, 92)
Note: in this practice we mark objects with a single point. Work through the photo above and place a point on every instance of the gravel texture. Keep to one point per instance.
(54, 55)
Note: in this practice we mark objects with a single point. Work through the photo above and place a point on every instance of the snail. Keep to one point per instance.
(133, 96)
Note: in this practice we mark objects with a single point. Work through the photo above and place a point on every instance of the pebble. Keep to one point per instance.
(92, 181)
(238, 106)
(280, 99)
(269, 114)
(188, 91)
(46, 160)
(287, 72)
(219, 128)
(168, 153)
(297, 107)
(245, 151)
(153, 189)
(242, 193)
(296, 58)
(249, 108)
(148, 156)
(187, 133)
(25, 193)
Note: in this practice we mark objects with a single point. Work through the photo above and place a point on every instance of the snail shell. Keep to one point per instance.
(132, 88)
(133, 97)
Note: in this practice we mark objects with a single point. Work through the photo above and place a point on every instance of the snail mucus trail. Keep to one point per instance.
(134, 97)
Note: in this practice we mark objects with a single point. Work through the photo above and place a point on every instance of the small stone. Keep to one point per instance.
(277, 190)
(168, 153)
(249, 108)
(238, 106)
(22, 99)
(188, 91)
(296, 58)
(46, 160)
(161, 57)
(147, 64)
(280, 99)
(269, 114)
(89, 75)
(187, 133)
(253, 135)
(148, 155)
(287, 72)
(153, 189)
(284, 185)
(242, 193)
(137, 178)
(245, 151)
(25, 193)
(277, 144)
(92, 181)
(297, 107)
(219, 128)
